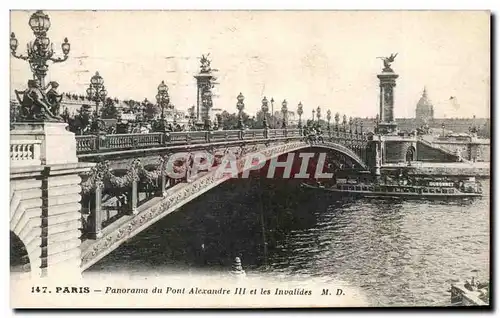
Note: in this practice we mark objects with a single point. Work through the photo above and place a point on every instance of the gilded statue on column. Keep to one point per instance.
(388, 61)
(205, 64)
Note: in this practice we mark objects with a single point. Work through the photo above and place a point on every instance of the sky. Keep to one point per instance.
(319, 58)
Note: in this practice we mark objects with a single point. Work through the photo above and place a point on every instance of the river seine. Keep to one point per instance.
(398, 253)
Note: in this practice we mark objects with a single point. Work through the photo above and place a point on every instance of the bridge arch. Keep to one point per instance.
(180, 195)
(410, 153)
(19, 258)
(340, 149)
(25, 234)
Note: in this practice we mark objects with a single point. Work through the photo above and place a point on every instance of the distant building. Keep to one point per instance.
(128, 109)
(424, 112)
(128, 116)
(456, 125)
(424, 115)
(290, 116)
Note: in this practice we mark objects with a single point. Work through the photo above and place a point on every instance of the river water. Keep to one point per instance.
(398, 253)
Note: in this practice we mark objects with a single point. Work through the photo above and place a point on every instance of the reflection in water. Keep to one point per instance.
(397, 252)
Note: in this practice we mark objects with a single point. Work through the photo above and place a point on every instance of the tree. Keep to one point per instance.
(151, 110)
(248, 122)
(191, 112)
(485, 130)
(81, 121)
(228, 121)
(109, 111)
(231, 121)
(258, 121)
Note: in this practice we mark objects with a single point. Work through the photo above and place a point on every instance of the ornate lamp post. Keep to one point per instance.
(300, 111)
(240, 105)
(318, 114)
(284, 110)
(337, 119)
(344, 122)
(442, 126)
(163, 100)
(350, 124)
(96, 91)
(313, 111)
(328, 118)
(40, 51)
(265, 109)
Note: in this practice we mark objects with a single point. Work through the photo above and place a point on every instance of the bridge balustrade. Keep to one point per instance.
(254, 134)
(25, 152)
(183, 137)
(86, 143)
(123, 141)
(226, 135)
(294, 132)
(276, 133)
(91, 143)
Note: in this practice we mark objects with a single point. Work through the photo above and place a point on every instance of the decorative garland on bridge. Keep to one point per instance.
(101, 175)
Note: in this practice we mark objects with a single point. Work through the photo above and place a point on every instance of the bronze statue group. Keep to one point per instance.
(39, 103)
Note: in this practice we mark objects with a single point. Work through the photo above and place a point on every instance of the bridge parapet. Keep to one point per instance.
(87, 144)
(25, 153)
(103, 143)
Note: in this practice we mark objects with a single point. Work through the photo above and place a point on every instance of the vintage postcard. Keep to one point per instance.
(249, 159)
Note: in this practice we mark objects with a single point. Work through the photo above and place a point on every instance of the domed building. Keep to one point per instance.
(424, 112)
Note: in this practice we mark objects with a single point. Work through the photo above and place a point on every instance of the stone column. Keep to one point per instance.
(387, 80)
(375, 156)
(96, 216)
(203, 83)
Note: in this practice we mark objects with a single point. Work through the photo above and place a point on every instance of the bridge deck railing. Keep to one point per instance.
(93, 143)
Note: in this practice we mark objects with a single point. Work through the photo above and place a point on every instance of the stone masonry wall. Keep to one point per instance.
(426, 153)
(45, 216)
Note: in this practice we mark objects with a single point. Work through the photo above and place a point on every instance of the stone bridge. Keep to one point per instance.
(73, 206)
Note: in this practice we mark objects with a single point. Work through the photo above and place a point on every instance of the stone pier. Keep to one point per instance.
(387, 80)
(45, 197)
